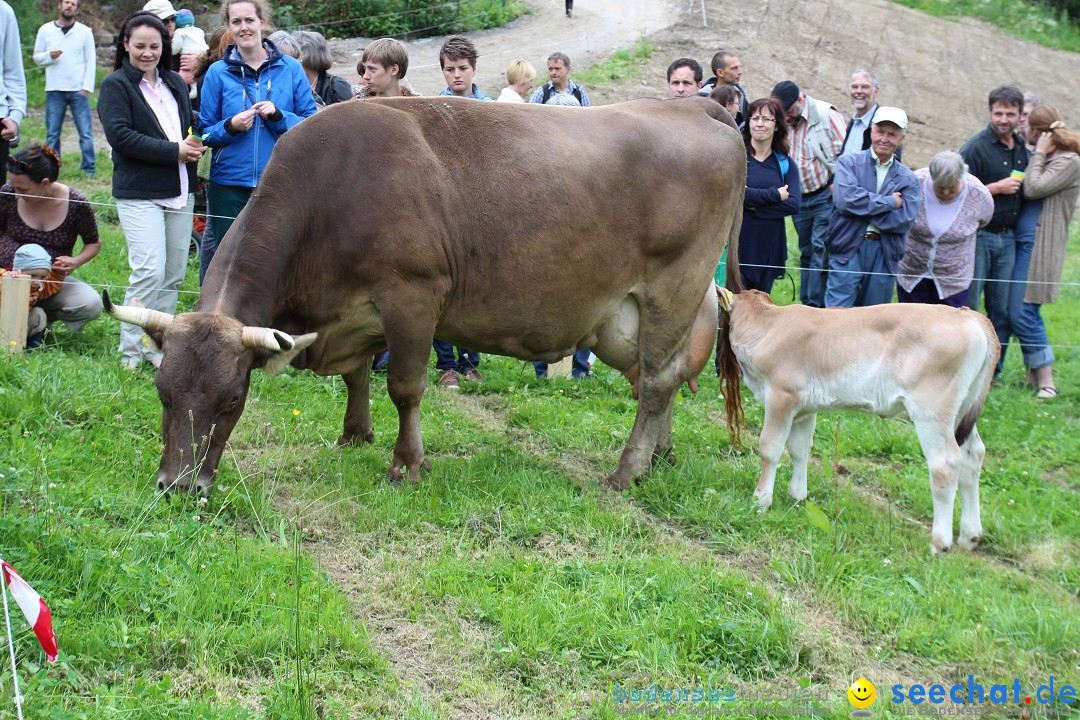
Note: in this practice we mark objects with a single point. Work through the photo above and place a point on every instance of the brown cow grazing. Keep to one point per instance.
(932, 361)
(639, 199)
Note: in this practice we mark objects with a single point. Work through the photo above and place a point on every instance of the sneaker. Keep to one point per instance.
(35, 340)
(451, 380)
(473, 375)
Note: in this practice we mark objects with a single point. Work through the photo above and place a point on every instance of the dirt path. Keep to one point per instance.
(597, 28)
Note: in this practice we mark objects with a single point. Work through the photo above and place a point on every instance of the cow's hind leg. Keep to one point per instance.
(358, 427)
(971, 460)
(800, 440)
(656, 398)
(406, 375)
(665, 452)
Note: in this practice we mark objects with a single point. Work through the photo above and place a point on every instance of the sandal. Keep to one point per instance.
(1046, 392)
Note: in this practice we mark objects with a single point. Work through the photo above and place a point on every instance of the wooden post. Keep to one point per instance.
(14, 312)
(562, 368)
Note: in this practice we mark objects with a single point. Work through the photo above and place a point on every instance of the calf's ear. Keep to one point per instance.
(278, 360)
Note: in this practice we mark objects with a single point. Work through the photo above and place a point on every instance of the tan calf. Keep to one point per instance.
(931, 361)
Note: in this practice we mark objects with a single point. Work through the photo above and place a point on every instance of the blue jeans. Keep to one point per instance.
(444, 357)
(207, 248)
(1025, 322)
(812, 225)
(580, 365)
(863, 280)
(995, 259)
(56, 105)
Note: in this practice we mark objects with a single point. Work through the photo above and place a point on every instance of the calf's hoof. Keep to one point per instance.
(355, 439)
(969, 543)
(764, 501)
(939, 545)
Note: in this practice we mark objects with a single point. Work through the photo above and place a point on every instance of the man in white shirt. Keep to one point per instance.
(12, 83)
(65, 48)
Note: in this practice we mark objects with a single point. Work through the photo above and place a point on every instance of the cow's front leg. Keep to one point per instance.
(800, 440)
(358, 426)
(406, 375)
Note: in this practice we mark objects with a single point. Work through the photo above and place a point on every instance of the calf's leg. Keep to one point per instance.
(358, 427)
(943, 458)
(779, 413)
(972, 453)
(800, 440)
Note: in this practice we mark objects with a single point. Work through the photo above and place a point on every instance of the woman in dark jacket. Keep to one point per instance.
(146, 114)
(772, 193)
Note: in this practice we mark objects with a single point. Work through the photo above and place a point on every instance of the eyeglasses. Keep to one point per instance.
(170, 20)
(762, 119)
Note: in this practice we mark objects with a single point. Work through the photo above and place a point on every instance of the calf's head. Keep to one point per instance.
(202, 383)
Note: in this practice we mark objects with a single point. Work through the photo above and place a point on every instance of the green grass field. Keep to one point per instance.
(509, 584)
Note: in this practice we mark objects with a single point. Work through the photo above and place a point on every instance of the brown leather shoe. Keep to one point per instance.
(451, 380)
(473, 375)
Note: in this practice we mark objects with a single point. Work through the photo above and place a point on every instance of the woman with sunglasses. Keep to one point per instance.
(250, 98)
(145, 111)
(35, 209)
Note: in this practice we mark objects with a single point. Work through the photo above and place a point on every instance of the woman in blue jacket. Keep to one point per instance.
(249, 99)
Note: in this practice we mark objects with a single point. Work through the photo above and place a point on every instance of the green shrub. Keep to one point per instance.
(411, 18)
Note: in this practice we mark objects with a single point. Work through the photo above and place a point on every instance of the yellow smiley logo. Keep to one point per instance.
(862, 693)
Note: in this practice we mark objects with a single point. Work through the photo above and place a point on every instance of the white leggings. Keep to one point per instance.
(158, 240)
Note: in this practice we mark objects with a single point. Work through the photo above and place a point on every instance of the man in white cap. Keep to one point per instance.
(875, 200)
(185, 63)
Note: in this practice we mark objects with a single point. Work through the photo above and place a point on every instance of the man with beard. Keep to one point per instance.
(998, 157)
(65, 48)
(863, 92)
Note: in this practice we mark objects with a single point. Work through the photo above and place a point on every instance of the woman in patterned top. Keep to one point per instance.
(36, 209)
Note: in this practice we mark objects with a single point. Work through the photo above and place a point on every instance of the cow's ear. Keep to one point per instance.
(278, 360)
(156, 338)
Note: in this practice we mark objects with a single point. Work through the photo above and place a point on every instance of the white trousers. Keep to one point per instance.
(158, 240)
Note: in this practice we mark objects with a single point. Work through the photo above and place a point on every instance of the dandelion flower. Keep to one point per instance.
(296, 413)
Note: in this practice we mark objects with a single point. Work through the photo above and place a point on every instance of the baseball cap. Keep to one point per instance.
(162, 8)
(895, 115)
(31, 257)
(787, 93)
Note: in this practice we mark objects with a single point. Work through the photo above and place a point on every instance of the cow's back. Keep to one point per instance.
(521, 211)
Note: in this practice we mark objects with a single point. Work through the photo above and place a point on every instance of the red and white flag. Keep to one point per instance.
(34, 608)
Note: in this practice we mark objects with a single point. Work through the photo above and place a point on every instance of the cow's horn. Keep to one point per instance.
(268, 338)
(152, 320)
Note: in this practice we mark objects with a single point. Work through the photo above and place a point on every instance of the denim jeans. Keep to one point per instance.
(995, 259)
(863, 280)
(1025, 322)
(580, 364)
(812, 225)
(444, 357)
(56, 105)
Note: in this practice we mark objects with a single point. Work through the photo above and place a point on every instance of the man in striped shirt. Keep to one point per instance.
(817, 139)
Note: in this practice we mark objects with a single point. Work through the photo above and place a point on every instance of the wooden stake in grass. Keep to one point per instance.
(14, 312)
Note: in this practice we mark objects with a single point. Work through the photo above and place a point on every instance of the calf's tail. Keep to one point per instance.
(982, 380)
(730, 375)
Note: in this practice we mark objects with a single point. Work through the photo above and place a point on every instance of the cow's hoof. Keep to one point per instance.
(355, 439)
(618, 481)
(764, 501)
(663, 457)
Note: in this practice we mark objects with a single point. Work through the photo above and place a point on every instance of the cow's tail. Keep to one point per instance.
(733, 278)
(982, 380)
(730, 375)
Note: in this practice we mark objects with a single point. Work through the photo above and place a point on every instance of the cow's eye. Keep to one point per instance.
(231, 403)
